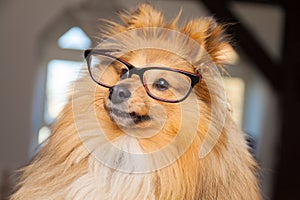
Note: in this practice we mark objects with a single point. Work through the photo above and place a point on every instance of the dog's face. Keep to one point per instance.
(147, 102)
(131, 102)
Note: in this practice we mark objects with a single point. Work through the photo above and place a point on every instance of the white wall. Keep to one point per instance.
(21, 23)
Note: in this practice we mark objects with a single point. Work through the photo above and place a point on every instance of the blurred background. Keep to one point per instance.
(41, 45)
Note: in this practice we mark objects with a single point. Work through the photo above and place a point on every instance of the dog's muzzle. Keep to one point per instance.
(119, 94)
(118, 107)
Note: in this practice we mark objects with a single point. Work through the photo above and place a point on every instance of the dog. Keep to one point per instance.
(148, 119)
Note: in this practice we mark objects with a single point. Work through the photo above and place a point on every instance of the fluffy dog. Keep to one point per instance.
(149, 120)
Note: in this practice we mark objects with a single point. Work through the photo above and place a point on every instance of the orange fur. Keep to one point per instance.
(65, 169)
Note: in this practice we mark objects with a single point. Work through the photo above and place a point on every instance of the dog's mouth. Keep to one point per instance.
(124, 118)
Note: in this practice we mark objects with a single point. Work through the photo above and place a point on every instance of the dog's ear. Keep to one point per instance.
(144, 16)
(211, 35)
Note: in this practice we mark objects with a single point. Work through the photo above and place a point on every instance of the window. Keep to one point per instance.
(57, 83)
(74, 38)
(57, 86)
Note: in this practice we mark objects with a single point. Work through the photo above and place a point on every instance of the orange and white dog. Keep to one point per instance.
(147, 119)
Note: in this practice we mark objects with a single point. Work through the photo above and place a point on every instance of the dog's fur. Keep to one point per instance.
(65, 169)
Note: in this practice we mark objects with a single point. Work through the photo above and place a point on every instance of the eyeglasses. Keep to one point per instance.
(161, 83)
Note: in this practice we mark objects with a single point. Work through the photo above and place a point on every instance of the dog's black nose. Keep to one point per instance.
(119, 94)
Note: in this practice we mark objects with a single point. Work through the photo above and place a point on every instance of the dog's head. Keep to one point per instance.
(156, 80)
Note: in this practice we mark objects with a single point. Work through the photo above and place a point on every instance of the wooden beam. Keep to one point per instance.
(288, 174)
(245, 40)
(264, 2)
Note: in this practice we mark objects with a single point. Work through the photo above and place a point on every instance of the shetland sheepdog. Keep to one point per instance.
(148, 118)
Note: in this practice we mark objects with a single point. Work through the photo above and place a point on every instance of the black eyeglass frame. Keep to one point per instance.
(194, 77)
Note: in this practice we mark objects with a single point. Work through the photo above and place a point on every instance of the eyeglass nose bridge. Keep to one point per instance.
(135, 71)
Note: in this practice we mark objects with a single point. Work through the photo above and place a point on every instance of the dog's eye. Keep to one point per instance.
(124, 74)
(161, 84)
